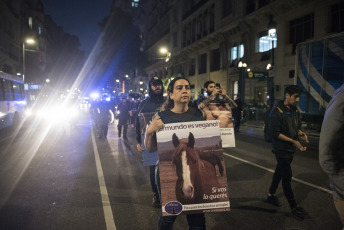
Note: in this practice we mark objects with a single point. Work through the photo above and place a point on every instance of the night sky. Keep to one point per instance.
(79, 17)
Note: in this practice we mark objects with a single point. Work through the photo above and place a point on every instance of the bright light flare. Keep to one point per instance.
(95, 95)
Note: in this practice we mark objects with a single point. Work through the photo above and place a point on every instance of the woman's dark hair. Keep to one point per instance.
(169, 103)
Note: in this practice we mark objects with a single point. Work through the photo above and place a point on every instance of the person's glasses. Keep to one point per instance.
(180, 87)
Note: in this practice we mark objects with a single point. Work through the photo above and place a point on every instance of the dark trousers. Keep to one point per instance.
(124, 123)
(152, 179)
(236, 124)
(195, 221)
(283, 172)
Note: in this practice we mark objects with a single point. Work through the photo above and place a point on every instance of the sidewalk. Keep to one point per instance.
(260, 124)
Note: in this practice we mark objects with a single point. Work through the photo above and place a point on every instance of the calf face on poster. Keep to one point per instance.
(196, 177)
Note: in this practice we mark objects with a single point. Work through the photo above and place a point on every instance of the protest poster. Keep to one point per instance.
(220, 110)
(147, 157)
(191, 166)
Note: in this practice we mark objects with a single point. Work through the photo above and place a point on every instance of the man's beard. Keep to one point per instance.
(209, 93)
(157, 92)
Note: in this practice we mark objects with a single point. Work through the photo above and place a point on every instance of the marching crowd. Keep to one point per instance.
(283, 130)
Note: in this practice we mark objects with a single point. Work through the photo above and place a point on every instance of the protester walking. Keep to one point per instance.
(123, 117)
(146, 109)
(331, 148)
(237, 113)
(102, 115)
(176, 109)
(285, 130)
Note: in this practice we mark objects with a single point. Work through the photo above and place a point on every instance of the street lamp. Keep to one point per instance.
(242, 66)
(29, 41)
(165, 51)
(270, 83)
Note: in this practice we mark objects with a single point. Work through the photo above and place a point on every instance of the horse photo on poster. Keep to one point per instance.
(191, 166)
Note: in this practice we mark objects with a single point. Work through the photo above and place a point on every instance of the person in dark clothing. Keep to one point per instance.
(147, 108)
(209, 88)
(267, 136)
(285, 130)
(123, 117)
(175, 109)
(237, 113)
(102, 115)
(331, 148)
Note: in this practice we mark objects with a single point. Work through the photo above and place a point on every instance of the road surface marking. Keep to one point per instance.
(110, 222)
(272, 171)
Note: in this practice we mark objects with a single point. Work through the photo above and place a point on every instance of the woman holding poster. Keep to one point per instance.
(176, 110)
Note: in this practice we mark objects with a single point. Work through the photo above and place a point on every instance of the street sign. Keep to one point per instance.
(257, 74)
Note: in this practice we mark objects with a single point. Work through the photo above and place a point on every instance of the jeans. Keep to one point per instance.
(152, 179)
(195, 221)
(283, 172)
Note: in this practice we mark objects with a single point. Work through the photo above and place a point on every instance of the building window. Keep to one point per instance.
(337, 22)
(237, 52)
(200, 27)
(175, 39)
(265, 43)
(241, 51)
(192, 69)
(212, 19)
(204, 23)
(184, 36)
(135, 3)
(227, 8)
(202, 68)
(250, 6)
(302, 29)
(193, 31)
(188, 34)
(234, 53)
(263, 3)
(215, 60)
(30, 22)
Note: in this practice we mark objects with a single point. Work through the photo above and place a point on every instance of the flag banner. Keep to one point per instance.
(147, 157)
(192, 169)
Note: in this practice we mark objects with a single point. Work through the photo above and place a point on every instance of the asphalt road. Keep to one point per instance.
(61, 178)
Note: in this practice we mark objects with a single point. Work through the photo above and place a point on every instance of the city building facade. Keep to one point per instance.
(228, 41)
(34, 47)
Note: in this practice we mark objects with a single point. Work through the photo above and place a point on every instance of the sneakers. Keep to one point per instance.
(156, 201)
(273, 200)
(298, 211)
